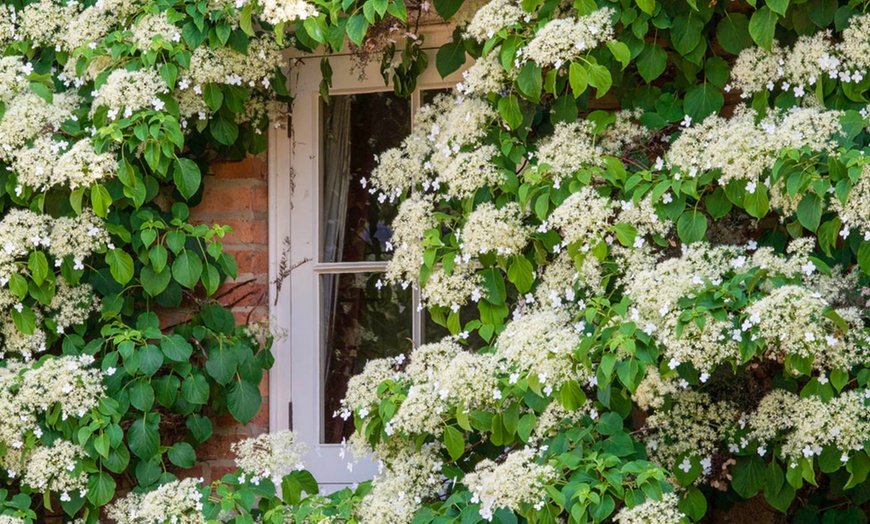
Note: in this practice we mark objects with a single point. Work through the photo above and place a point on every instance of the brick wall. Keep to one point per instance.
(236, 194)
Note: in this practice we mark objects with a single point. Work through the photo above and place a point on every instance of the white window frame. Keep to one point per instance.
(294, 196)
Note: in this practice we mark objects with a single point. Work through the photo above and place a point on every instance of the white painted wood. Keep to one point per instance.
(294, 174)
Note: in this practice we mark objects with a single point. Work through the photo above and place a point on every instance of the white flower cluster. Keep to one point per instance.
(28, 115)
(489, 229)
(413, 219)
(563, 279)
(570, 148)
(13, 77)
(442, 150)
(486, 75)
(87, 28)
(811, 58)
(583, 217)
(442, 374)
(407, 476)
(361, 395)
(492, 17)
(791, 321)
(153, 29)
(28, 392)
(126, 92)
(541, 345)
(564, 39)
(270, 455)
(72, 305)
(452, 290)
(56, 468)
(286, 11)
(82, 166)
(855, 211)
(178, 502)
(23, 231)
(694, 426)
(806, 425)
(42, 21)
(743, 149)
(664, 511)
(516, 481)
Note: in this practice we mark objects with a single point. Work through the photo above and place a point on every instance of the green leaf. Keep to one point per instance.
(100, 200)
(610, 423)
(625, 233)
(447, 8)
(509, 109)
(571, 396)
(455, 442)
(223, 129)
(357, 27)
(651, 62)
(25, 320)
(182, 455)
(142, 395)
(703, 100)
(213, 96)
(858, 467)
(693, 503)
(120, 265)
(717, 204)
(150, 359)
(154, 283)
(777, 491)
(578, 78)
(187, 177)
(733, 33)
(194, 389)
(529, 81)
(686, 32)
(757, 203)
(449, 58)
(38, 266)
(243, 400)
(186, 269)
(762, 27)
(600, 79)
(748, 476)
(222, 363)
(620, 52)
(647, 6)
(143, 438)
(691, 226)
(101, 488)
(521, 273)
(809, 211)
(200, 427)
(526, 425)
(176, 348)
(778, 6)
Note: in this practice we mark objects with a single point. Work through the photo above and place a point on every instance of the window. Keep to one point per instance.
(333, 233)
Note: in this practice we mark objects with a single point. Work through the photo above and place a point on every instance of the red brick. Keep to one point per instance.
(218, 200)
(249, 315)
(218, 446)
(261, 419)
(251, 167)
(243, 294)
(256, 262)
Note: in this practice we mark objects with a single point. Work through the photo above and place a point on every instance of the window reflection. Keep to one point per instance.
(354, 224)
(361, 319)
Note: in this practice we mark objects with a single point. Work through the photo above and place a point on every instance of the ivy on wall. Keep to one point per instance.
(671, 303)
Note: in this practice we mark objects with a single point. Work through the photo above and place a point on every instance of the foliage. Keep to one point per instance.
(624, 376)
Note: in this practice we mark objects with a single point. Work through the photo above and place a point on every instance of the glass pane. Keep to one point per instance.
(356, 128)
(360, 320)
(429, 95)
